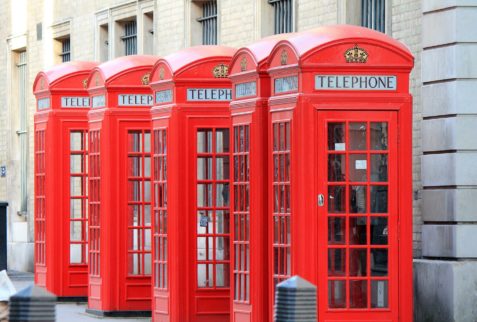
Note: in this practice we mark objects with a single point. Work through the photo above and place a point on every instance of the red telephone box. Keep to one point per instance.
(61, 132)
(191, 224)
(249, 110)
(119, 187)
(340, 175)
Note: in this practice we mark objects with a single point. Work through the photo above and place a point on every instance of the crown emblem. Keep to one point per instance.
(243, 64)
(145, 79)
(356, 55)
(85, 82)
(161, 73)
(42, 83)
(96, 80)
(284, 57)
(221, 71)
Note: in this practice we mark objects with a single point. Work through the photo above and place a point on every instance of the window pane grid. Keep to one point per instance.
(139, 203)
(78, 197)
(213, 227)
(65, 50)
(373, 14)
(40, 199)
(209, 23)
(283, 13)
(241, 214)
(160, 209)
(358, 270)
(94, 203)
(281, 202)
(130, 38)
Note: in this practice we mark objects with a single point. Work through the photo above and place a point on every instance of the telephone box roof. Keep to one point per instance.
(62, 71)
(113, 68)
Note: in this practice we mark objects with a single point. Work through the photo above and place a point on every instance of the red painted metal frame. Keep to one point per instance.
(181, 299)
(112, 290)
(249, 65)
(53, 127)
(321, 51)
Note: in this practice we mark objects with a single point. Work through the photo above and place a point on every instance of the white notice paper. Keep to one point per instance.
(340, 146)
(360, 165)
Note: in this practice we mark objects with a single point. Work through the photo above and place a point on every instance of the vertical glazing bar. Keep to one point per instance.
(383, 16)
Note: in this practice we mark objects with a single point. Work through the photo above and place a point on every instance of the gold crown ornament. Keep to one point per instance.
(356, 55)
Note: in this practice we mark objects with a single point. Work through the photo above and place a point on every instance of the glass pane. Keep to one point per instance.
(336, 137)
(357, 231)
(76, 141)
(222, 168)
(282, 137)
(76, 254)
(76, 163)
(357, 199)
(357, 262)
(147, 167)
(222, 222)
(134, 166)
(205, 223)
(336, 294)
(147, 215)
(336, 199)
(275, 136)
(379, 167)
(147, 240)
(147, 264)
(134, 242)
(379, 136)
(222, 248)
(204, 168)
(147, 191)
(147, 142)
(287, 136)
(222, 195)
(135, 190)
(358, 294)
(379, 231)
(358, 167)
(204, 195)
(336, 262)
(379, 199)
(336, 230)
(336, 167)
(76, 206)
(222, 275)
(204, 276)
(357, 136)
(202, 249)
(134, 263)
(379, 262)
(75, 231)
(204, 141)
(76, 186)
(134, 215)
(222, 143)
(379, 294)
(135, 142)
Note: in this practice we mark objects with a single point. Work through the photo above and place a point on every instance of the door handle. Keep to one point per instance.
(321, 200)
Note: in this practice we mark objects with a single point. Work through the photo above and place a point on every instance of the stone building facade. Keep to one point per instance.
(438, 32)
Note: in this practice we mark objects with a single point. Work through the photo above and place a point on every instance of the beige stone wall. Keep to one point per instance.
(240, 22)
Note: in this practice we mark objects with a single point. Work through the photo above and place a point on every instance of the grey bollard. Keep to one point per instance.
(295, 301)
(33, 304)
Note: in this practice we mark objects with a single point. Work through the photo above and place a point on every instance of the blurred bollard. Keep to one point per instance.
(295, 301)
(33, 304)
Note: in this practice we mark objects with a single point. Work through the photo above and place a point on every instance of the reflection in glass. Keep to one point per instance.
(336, 137)
(358, 167)
(205, 223)
(204, 168)
(357, 136)
(379, 136)
(336, 199)
(76, 186)
(358, 294)
(379, 294)
(336, 167)
(379, 231)
(379, 199)
(222, 248)
(222, 222)
(222, 195)
(205, 275)
(336, 261)
(75, 230)
(222, 168)
(357, 262)
(135, 141)
(336, 294)
(357, 231)
(222, 140)
(204, 195)
(379, 167)
(222, 275)
(336, 230)
(379, 262)
(204, 141)
(357, 199)
(76, 207)
(76, 141)
(76, 163)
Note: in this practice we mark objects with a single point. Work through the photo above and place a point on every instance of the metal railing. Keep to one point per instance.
(283, 13)
(209, 23)
(130, 38)
(373, 14)
(65, 50)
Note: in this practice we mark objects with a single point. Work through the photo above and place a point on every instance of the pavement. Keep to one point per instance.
(71, 312)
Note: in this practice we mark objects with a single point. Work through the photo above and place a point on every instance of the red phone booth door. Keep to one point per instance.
(358, 216)
(212, 225)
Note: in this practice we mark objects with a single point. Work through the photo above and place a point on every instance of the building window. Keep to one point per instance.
(23, 128)
(104, 42)
(65, 50)
(283, 15)
(130, 38)
(209, 23)
(373, 14)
